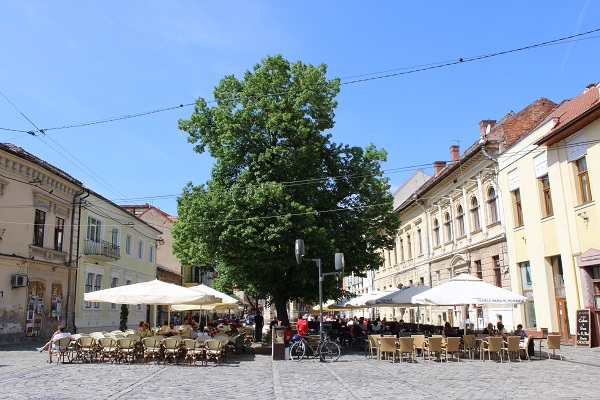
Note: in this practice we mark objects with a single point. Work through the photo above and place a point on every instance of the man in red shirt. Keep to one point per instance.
(302, 326)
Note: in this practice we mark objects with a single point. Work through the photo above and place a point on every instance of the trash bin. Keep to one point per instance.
(278, 342)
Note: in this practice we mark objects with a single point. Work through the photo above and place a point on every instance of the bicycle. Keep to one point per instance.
(326, 350)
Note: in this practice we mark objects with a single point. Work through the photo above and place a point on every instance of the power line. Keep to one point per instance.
(404, 71)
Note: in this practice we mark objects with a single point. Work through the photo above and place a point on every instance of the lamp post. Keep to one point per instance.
(339, 266)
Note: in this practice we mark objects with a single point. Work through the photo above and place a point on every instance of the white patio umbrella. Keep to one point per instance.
(466, 289)
(401, 298)
(153, 292)
(368, 300)
(333, 305)
(221, 301)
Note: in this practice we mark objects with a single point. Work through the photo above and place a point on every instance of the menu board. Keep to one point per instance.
(583, 328)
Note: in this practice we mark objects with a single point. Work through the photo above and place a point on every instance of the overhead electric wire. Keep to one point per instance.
(404, 71)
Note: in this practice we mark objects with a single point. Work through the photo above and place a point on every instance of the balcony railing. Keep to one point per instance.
(101, 250)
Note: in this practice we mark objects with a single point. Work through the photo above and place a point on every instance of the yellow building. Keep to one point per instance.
(116, 248)
(548, 181)
(452, 224)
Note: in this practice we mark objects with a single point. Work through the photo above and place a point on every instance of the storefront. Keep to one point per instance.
(589, 268)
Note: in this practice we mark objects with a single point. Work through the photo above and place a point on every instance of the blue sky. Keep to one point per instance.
(70, 62)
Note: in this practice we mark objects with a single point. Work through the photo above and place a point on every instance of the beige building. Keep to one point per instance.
(549, 180)
(452, 224)
(36, 225)
(115, 248)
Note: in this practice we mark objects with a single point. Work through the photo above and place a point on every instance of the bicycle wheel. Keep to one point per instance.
(297, 351)
(329, 351)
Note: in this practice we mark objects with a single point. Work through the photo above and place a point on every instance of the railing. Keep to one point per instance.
(102, 249)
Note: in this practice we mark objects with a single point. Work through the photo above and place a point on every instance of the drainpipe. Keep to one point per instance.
(71, 267)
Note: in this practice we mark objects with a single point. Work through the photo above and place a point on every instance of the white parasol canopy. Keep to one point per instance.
(333, 305)
(153, 292)
(368, 300)
(402, 297)
(466, 289)
(221, 301)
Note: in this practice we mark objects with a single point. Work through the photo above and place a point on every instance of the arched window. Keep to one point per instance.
(436, 232)
(492, 205)
(448, 226)
(475, 214)
(460, 220)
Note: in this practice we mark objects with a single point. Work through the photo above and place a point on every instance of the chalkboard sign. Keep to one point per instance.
(583, 328)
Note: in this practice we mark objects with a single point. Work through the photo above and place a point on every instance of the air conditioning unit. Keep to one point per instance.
(18, 280)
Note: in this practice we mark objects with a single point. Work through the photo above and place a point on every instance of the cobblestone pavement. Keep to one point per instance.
(24, 374)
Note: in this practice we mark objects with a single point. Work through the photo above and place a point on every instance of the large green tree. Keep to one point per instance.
(278, 177)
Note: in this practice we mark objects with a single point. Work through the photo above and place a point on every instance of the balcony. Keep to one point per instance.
(101, 250)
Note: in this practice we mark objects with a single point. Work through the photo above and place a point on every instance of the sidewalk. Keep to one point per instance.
(24, 373)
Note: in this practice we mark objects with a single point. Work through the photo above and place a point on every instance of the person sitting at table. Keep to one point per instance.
(448, 330)
(501, 331)
(141, 326)
(489, 329)
(60, 333)
(144, 331)
(163, 329)
(171, 330)
(233, 330)
(520, 332)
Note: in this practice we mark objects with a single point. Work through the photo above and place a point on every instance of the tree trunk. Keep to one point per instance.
(281, 307)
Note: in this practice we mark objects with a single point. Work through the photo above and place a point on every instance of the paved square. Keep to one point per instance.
(24, 374)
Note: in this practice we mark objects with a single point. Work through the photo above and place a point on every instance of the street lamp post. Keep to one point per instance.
(339, 266)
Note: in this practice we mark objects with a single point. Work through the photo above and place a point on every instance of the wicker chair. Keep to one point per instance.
(434, 346)
(492, 345)
(125, 350)
(512, 347)
(452, 347)
(63, 349)
(107, 349)
(407, 346)
(151, 349)
(387, 345)
(87, 349)
(193, 351)
(214, 350)
(552, 343)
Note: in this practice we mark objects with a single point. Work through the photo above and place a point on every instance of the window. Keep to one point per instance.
(59, 229)
(420, 241)
(475, 214)
(97, 286)
(114, 282)
(492, 205)
(438, 277)
(478, 270)
(402, 249)
(409, 246)
(557, 274)
(497, 271)
(129, 244)
(141, 249)
(585, 192)
(545, 183)
(527, 285)
(94, 228)
(93, 282)
(460, 220)
(38, 228)
(518, 208)
(595, 273)
(436, 232)
(114, 236)
(396, 255)
(448, 227)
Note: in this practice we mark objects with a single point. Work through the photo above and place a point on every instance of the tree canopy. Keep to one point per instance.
(278, 177)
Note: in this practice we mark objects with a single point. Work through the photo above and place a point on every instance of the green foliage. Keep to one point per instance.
(123, 317)
(277, 178)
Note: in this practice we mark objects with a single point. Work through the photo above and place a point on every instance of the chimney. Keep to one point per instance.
(483, 126)
(454, 153)
(438, 166)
